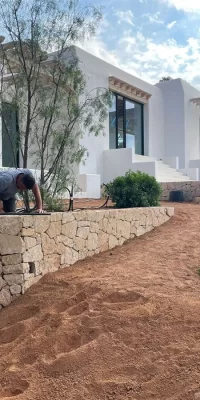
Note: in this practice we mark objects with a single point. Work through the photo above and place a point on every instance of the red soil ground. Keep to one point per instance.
(122, 325)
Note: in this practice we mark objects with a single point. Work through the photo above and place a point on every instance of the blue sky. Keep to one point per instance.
(150, 38)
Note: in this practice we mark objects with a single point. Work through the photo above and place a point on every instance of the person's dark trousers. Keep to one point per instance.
(9, 205)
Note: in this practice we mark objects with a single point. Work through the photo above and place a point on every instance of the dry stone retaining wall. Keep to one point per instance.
(31, 246)
(191, 189)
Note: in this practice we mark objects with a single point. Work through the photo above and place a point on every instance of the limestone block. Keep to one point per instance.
(70, 256)
(170, 211)
(51, 263)
(60, 248)
(12, 259)
(41, 223)
(133, 229)
(48, 245)
(67, 217)
(110, 214)
(80, 215)
(11, 279)
(103, 225)
(112, 227)
(121, 241)
(129, 215)
(143, 219)
(28, 276)
(94, 215)
(113, 241)
(33, 254)
(141, 230)
(28, 232)
(91, 253)
(149, 219)
(10, 225)
(83, 223)
(92, 242)
(155, 221)
(30, 242)
(196, 200)
(5, 297)
(37, 267)
(83, 232)
(10, 244)
(2, 283)
(15, 289)
(65, 240)
(26, 285)
(21, 268)
(54, 229)
(197, 193)
(83, 254)
(0, 267)
(79, 244)
(28, 221)
(56, 216)
(103, 239)
(97, 215)
(70, 229)
(94, 227)
(123, 229)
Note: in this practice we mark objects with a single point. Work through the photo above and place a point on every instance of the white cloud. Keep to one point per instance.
(170, 26)
(154, 19)
(186, 5)
(125, 16)
(149, 60)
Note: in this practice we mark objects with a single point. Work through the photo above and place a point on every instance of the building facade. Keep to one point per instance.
(151, 128)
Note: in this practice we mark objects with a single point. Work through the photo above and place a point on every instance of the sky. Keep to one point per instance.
(150, 38)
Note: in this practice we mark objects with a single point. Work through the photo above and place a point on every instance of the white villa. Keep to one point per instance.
(154, 129)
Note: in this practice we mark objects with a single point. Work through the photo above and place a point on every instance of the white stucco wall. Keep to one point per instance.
(174, 126)
(181, 121)
(192, 128)
(98, 73)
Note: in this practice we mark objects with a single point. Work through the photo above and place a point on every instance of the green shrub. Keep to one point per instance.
(135, 189)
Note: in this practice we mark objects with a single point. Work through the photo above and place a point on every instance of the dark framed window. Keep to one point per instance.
(10, 136)
(126, 127)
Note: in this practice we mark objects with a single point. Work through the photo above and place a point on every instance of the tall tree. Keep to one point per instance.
(42, 80)
(165, 78)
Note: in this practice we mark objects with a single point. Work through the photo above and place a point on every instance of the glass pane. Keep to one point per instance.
(120, 120)
(9, 136)
(112, 124)
(134, 128)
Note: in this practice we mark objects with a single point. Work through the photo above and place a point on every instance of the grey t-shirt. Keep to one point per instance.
(8, 187)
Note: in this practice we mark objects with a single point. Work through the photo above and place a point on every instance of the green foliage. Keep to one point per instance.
(51, 203)
(135, 189)
(50, 91)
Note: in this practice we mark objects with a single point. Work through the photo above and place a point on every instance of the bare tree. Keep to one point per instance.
(42, 81)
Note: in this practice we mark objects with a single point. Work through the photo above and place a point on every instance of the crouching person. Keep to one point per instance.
(13, 181)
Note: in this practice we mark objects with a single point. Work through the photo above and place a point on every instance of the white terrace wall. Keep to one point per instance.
(31, 246)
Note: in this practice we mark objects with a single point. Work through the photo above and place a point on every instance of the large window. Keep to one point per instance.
(126, 124)
(10, 153)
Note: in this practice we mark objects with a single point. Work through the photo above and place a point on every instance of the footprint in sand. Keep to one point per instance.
(18, 387)
(125, 297)
(17, 314)
(9, 335)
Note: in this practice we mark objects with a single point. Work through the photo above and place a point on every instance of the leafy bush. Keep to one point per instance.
(135, 189)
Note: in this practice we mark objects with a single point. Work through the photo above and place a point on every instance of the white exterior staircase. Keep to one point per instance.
(163, 171)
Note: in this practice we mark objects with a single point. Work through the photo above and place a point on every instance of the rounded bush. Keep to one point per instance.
(135, 189)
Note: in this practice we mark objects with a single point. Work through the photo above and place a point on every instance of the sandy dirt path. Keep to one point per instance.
(122, 325)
